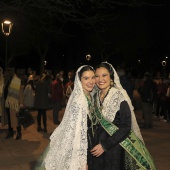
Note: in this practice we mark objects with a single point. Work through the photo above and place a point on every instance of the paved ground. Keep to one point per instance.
(22, 154)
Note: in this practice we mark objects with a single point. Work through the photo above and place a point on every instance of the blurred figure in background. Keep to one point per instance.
(69, 91)
(148, 94)
(13, 97)
(57, 97)
(165, 101)
(126, 82)
(158, 101)
(2, 115)
(42, 100)
(60, 75)
(30, 75)
(29, 94)
(68, 88)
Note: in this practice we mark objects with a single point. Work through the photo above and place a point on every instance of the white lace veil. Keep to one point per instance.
(68, 145)
(117, 85)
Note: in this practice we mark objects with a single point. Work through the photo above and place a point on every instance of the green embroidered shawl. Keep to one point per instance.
(133, 146)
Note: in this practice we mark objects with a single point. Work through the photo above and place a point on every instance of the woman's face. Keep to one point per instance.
(102, 78)
(88, 81)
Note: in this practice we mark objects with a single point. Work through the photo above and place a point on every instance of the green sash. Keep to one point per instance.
(132, 144)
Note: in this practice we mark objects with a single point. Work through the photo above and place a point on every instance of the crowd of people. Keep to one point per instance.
(99, 130)
(155, 100)
(43, 94)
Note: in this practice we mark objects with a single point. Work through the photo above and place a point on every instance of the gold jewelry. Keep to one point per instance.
(111, 82)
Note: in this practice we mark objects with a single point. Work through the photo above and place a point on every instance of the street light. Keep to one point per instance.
(6, 29)
(164, 67)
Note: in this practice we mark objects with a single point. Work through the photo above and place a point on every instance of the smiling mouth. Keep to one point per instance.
(101, 83)
(90, 86)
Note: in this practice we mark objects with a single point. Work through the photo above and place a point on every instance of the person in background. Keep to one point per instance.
(42, 100)
(29, 94)
(158, 112)
(31, 75)
(117, 142)
(68, 88)
(69, 80)
(60, 75)
(126, 82)
(165, 101)
(148, 93)
(57, 96)
(13, 97)
(69, 91)
(2, 115)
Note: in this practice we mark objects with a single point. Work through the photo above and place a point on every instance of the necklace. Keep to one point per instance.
(91, 114)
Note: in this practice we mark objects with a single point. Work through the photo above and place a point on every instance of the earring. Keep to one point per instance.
(111, 82)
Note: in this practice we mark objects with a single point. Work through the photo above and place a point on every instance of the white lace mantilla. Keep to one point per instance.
(68, 145)
(112, 102)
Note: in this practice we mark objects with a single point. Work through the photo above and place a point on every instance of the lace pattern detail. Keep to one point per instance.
(68, 145)
(112, 104)
(118, 86)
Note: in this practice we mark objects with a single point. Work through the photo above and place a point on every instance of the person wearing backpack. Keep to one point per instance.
(148, 93)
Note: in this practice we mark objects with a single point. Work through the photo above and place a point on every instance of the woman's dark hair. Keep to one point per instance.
(85, 68)
(108, 67)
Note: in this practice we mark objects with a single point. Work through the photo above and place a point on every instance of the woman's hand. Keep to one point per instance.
(97, 150)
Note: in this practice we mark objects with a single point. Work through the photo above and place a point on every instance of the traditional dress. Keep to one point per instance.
(68, 143)
(118, 133)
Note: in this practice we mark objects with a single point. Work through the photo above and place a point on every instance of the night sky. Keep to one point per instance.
(136, 33)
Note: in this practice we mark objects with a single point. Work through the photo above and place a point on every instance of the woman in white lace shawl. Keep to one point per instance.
(68, 143)
(119, 144)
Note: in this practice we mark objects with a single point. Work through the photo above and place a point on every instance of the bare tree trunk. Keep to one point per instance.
(42, 51)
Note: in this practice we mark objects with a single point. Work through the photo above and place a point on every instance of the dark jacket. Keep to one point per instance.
(148, 91)
(42, 91)
(163, 93)
(128, 85)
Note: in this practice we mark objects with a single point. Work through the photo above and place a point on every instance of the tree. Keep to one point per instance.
(37, 23)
